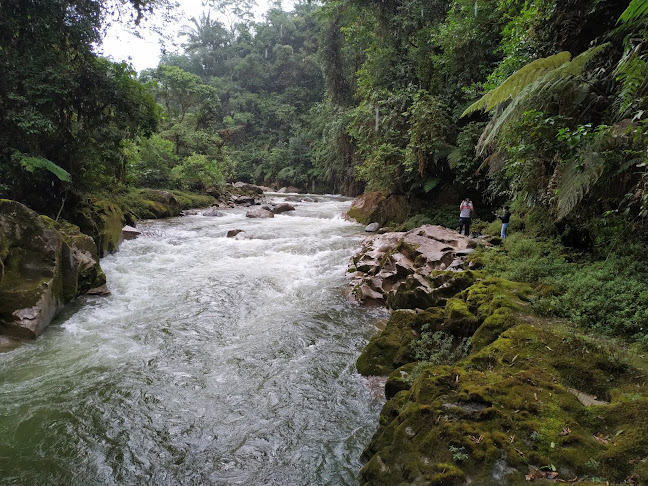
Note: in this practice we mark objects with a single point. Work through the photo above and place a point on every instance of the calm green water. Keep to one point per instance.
(215, 361)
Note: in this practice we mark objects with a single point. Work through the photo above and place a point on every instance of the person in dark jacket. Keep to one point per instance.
(506, 217)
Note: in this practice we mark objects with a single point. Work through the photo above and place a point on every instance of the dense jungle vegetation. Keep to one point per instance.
(538, 103)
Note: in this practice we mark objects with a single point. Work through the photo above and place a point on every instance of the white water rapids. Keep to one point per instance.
(215, 361)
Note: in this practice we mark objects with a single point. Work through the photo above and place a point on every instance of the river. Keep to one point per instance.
(215, 361)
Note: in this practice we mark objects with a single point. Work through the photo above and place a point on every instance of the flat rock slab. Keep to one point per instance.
(388, 260)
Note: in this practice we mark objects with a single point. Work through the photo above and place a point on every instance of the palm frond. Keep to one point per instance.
(431, 184)
(636, 11)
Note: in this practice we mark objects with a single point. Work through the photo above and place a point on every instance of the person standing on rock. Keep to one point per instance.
(506, 217)
(466, 209)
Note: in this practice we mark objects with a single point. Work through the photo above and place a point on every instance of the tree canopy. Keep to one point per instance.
(539, 102)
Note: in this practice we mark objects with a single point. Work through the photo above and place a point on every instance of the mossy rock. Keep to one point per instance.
(45, 264)
(391, 348)
(625, 425)
(89, 274)
(399, 380)
(458, 320)
(412, 293)
(156, 203)
(490, 294)
(103, 221)
(155, 210)
(493, 326)
(510, 405)
(375, 207)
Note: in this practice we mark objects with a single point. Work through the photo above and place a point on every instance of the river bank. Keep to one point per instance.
(481, 387)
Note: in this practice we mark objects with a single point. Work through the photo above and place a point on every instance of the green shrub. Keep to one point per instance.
(198, 172)
(440, 347)
(524, 259)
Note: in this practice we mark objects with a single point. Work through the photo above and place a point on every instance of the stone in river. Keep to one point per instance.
(372, 228)
(259, 213)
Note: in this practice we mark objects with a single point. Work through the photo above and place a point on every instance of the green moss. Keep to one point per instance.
(391, 348)
(154, 203)
(458, 320)
(511, 401)
(625, 426)
(492, 327)
(399, 380)
(103, 221)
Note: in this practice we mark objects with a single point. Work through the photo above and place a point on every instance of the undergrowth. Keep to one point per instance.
(606, 295)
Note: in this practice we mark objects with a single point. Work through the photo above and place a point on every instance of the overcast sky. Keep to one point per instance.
(143, 53)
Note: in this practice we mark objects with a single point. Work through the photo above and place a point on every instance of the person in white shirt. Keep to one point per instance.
(466, 209)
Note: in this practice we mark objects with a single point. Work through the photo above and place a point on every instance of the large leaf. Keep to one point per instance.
(31, 163)
(431, 184)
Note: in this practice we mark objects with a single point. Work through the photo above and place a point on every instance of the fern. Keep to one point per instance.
(31, 163)
(517, 81)
(431, 184)
(556, 82)
(577, 179)
(637, 11)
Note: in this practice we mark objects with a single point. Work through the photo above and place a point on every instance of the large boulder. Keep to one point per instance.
(375, 207)
(249, 187)
(161, 204)
(103, 221)
(212, 212)
(289, 190)
(282, 208)
(44, 265)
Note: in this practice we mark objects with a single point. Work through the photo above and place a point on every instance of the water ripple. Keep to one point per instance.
(215, 361)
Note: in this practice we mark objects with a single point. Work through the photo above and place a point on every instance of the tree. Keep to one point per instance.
(60, 104)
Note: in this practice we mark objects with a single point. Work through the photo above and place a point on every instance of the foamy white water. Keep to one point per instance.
(215, 361)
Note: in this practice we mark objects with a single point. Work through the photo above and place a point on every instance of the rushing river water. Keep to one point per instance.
(215, 361)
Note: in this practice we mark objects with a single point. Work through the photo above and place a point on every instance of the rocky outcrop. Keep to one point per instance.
(509, 413)
(413, 269)
(45, 265)
(130, 232)
(375, 207)
(481, 391)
